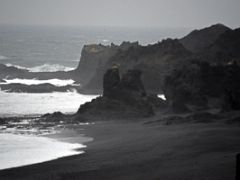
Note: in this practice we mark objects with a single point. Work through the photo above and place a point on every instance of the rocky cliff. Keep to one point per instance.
(92, 57)
(155, 61)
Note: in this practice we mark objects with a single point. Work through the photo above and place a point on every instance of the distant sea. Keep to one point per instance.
(41, 49)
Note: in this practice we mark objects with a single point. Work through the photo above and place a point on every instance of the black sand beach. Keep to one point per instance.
(140, 150)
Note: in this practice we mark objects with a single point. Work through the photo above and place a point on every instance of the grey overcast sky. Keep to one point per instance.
(130, 13)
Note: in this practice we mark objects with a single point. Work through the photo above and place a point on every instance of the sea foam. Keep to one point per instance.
(43, 68)
(20, 150)
(55, 82)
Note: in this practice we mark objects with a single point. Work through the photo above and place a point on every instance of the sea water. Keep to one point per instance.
(48, 49)
(18, 104)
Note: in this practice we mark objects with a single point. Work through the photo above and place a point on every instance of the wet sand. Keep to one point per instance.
(138, 151)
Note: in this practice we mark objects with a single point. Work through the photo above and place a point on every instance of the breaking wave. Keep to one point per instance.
(50, 68)
(20, 150)
(55, 82)
(44, 68)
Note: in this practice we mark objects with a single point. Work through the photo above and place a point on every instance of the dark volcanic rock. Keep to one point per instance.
(54, 117)
(129, 85)
(199, 40)
(111, 81)
(201, 85)
(123, 97)
(226, 48)
(2, 121)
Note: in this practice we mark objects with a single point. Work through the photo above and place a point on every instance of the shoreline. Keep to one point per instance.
(67, 141)
(135, 150)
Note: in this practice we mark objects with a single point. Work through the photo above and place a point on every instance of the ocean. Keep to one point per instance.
(42, 49)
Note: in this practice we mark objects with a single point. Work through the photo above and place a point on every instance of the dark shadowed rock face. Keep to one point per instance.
(227, 47)
(111, 81)
(56, 116)
(124, 97)
(201, 85)
(130, 84)
(199, 40)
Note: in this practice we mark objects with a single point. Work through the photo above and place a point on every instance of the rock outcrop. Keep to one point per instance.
(198, 40)
(123, 97)
(199, 85)
(92, 57)
(226, 48)
(94, 63)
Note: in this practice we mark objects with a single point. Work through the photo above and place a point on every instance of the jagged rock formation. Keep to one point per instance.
(155, 61)
(198, 85)
(199, 40)
(123, 97)
(93, 64)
